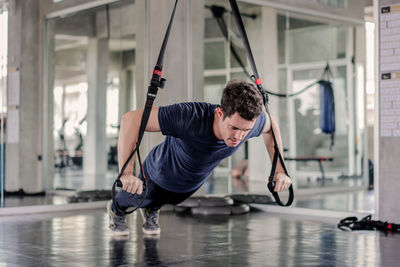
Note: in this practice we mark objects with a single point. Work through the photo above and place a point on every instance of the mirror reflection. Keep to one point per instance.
(93, 86)
(91, 74)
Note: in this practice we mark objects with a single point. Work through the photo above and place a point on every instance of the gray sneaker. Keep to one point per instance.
(117, 223)
(150, 219)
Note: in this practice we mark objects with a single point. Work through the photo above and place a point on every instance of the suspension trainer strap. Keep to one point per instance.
(258, 82)
(366, 223)
(218, 13)
(156, 82)
(271, 183)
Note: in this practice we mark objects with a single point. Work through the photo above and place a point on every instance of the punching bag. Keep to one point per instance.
(327, 109)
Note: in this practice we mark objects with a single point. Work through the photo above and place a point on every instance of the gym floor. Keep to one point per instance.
(82, 238)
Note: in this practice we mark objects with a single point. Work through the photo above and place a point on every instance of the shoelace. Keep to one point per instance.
(152, 216)
(119, 219)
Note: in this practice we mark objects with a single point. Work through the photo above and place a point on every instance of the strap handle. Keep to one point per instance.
(156, 82)
(258, 82)
(271, 183)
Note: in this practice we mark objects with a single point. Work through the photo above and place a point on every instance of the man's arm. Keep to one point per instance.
(282, 181)
(128, 135)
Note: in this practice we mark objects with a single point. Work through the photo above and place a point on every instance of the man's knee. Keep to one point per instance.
(125, 199)
(236, 173)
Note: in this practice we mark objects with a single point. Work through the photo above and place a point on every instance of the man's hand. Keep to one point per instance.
(282, 182)
(131, 184)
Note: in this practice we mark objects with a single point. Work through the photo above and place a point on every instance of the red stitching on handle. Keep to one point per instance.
(158, 72)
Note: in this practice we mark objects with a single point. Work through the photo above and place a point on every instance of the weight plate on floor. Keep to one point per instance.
(251, 198)
(240, 209)
(190, 202)
(216, 202)
(211, 210)
(180, 209)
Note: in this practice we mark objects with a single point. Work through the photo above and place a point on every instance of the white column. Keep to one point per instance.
(95, 152)
(48, 107)
(350, 99)
(183, 62)
(22, 156)
(125, 92)
(264, 29)
(387, 180)
(361, 160)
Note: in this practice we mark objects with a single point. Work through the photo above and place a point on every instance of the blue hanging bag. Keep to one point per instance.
(327, 109)
(327, 106)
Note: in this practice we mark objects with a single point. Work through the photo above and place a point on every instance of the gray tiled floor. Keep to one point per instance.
(255, 239)
(352, 201)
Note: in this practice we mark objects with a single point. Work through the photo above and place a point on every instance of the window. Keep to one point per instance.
(220, 65)
(3, 55)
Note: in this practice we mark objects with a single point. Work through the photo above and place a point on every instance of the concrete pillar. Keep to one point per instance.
(125, 92)
(388, 139)
(361, 146)
(95, 154)
(48, 108)
(23, 58)
(263, 37)
(183, 62)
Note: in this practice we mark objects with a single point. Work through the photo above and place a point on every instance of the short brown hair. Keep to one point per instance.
(241, 97)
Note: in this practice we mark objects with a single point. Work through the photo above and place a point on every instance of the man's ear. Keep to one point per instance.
(219, 112)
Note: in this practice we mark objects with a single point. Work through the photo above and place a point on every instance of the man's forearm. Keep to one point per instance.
(269, 143)
(128, 134)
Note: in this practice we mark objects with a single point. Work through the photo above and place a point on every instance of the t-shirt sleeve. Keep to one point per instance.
(260, 124)
(175, 119)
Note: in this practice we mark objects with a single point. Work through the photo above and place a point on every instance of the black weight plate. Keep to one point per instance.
(240, 209)
(216, 202)
(212, 210)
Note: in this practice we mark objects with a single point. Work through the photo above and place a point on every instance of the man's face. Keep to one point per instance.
(234, 129)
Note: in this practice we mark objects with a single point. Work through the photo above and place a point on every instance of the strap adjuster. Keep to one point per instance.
(150, 95)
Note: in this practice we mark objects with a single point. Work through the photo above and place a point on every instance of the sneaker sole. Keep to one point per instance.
(119, 233)
(151, 232)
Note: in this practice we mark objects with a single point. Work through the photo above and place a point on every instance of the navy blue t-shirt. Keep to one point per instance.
(190, 150)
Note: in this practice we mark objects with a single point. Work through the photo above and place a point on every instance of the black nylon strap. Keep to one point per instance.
(156, 82)
(366, 223)
(271, 183)
(218, 13)
(257, 80)
(240, 25)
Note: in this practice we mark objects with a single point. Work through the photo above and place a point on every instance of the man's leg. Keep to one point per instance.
(150, 221)
(154, 198)
(125, 201)
(150, 213)
(239, 176)
(117, 222)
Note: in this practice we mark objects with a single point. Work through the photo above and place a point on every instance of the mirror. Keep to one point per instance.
(93, 56)
(329, 176)
(90, 74)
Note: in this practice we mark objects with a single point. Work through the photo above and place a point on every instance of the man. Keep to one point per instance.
(198, 137)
